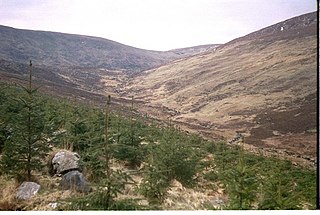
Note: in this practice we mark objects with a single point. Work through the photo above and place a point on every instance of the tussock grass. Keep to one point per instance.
(8, 187)
(182, 198)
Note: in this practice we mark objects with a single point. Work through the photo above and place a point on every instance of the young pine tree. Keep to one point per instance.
(128, 147)
(279, 188)
(4, 130)
(173, 158)
(108, 182)
(26, 148)
(242, 183)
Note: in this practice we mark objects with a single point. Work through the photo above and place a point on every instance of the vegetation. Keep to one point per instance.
(242, 183)
(115, 150)
(24, 146)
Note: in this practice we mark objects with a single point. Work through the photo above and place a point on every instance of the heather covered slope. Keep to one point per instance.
(78, 62)
(62, 50)
(58, 49)
(263, 85)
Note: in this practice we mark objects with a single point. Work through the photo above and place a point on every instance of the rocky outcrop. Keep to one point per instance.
(27, 190)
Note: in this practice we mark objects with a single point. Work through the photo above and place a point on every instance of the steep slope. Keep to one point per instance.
(263, 85)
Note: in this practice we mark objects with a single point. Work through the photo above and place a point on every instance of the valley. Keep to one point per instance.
(262, 85)
(217, 126)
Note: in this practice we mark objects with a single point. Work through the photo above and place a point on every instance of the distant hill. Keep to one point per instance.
(77, 61)
(59, 49)
(263, 85)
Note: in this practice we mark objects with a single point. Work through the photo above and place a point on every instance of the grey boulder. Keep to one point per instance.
(64, 161)
(74, 180)
(27, 190)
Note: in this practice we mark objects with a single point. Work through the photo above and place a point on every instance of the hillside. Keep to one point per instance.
(262, 85)
(159, 141)
(58, 49)
(189, 51)
(78, 62)
(145, 164)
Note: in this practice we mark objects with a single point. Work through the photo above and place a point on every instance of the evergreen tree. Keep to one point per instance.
(109, 182)
(26, 148)
(242, 183)
(78, 131)
(4, 129)
(128, 147)
(170, 158)
(279, 189)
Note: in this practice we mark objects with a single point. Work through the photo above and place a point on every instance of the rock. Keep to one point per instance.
(64, 161)
(238, 138)
(74, 180)
(219, 201)
(276, 133)
(27, 190)
(53, 205)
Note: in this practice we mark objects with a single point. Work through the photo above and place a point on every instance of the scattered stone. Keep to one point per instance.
(238, 138)
(177, 185)
(64, 161)
(219, 202)
(74, 180)
(306, 157)
(27, 190)
(53, 205)
(276, 133)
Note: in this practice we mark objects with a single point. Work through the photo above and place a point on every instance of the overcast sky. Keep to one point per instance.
(152, 24)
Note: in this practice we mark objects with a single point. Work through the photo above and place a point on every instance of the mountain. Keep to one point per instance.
(76, 61)
(58, 49)
(263, 85)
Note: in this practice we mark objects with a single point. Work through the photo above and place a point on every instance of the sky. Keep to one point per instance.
(152, 24)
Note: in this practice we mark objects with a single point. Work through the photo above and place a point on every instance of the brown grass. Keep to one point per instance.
(8, 201)
(230, 88)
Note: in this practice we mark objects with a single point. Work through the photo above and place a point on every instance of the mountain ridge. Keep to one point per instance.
(61, 49)
(57, 49)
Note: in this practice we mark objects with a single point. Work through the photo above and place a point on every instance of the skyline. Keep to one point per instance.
(152, 24)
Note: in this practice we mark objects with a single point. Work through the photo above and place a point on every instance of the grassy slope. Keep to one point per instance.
(261, 85)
